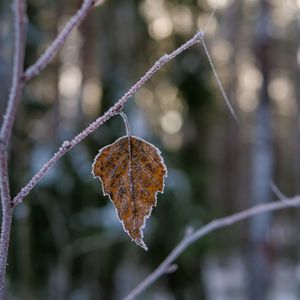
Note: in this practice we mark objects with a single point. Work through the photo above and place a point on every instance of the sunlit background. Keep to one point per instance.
(67, 242)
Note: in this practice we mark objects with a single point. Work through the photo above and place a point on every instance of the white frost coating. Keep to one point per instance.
(141, 242)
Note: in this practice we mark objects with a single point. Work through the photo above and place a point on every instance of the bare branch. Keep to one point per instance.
(59, 41)
(114, 110)
(19, 10)
(6, 218)
(277, 191)
(219, 82)
(189, 239)
(19, 14)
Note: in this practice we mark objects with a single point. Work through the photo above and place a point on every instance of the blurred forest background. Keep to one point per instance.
(66, 241)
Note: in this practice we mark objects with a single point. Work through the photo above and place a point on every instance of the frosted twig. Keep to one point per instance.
(19, 10)
(6, 218)
(59, 41)
(19, 15)
(114, 110)
(205, 230)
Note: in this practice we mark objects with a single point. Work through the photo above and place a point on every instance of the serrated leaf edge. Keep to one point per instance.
(146, 217)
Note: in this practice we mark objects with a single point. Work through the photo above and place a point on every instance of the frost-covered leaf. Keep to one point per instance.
(132, 172)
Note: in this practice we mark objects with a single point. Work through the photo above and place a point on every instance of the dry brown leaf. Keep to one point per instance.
(131, 173)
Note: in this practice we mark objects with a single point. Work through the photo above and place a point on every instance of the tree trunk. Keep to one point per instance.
(262, 165)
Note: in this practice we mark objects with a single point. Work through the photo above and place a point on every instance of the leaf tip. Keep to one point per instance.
(142, 244)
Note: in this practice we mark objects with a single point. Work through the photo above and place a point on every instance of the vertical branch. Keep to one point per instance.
(19, 9)
(6, 218)
(19, 14)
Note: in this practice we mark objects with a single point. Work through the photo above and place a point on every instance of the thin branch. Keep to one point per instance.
(205, 230)
(19, 14)
(59, 41)
(229, 105)
(19, 10)
(277, 191)
(114, 110)
(6, 218)
(210, 18)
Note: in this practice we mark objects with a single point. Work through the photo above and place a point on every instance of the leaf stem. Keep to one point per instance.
(126, 122)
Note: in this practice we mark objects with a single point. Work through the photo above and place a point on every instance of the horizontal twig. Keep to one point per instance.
(192, 237)
(114, 110)
(59, 41)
